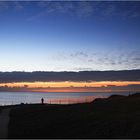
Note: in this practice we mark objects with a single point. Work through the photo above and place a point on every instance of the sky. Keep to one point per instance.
(69, 36)
(63, 36)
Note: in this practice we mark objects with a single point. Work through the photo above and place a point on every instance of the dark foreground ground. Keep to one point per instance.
(115, 117)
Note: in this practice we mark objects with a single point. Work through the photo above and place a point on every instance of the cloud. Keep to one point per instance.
(82, 9)
(56, 6)
(109, 10)
(126, 75)
(75, 8)
(18, 5)
(91, 60)
(97, 60)
(121, 9)
(90, 8)
(79, 54)
(4, 5)
(118, 59)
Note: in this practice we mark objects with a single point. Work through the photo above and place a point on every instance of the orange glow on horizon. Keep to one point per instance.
(70, 84)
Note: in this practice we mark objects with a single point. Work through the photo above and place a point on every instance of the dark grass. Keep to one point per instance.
(115, 117)
(4, 107)
(0, 109)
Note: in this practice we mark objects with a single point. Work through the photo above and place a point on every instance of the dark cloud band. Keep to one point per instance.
(125, 75)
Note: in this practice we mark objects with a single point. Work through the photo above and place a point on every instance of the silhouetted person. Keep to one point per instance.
(42, 101)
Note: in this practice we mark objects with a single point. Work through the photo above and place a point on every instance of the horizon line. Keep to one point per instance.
(71, 70)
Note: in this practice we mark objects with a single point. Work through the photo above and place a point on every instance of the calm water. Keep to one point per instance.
(8, 98)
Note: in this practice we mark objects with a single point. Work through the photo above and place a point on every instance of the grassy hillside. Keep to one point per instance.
(115, 117)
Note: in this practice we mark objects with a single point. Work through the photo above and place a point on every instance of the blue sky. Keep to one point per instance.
(69, 36)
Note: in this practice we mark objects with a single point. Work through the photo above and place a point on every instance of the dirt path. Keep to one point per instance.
(4, 120)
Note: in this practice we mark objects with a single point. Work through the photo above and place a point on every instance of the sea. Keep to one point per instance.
(13, 98)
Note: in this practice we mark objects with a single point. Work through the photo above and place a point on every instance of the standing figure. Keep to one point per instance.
(42, 101)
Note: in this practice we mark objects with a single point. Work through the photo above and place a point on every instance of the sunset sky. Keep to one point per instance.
(70, 36)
